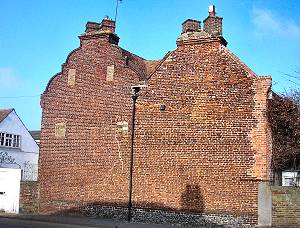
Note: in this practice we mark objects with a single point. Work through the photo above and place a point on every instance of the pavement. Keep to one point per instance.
(84, 221)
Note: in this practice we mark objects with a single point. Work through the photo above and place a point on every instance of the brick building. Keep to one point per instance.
(202, 140)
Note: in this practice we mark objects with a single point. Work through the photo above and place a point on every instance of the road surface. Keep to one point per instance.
(20, 223)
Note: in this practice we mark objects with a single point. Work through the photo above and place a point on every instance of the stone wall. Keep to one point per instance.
(170, 217)
(29, 193)
(285, 206)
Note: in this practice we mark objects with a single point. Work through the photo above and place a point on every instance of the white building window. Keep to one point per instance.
(10, 140)
(290, 178)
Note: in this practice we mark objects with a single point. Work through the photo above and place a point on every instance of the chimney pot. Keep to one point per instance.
(212, 10)
(213, 23)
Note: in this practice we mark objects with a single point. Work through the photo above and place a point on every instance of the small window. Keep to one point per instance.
(2, 138)
(16, 142)
(288, 182)
(9, 140)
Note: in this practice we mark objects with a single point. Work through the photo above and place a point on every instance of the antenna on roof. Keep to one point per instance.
(116, 13)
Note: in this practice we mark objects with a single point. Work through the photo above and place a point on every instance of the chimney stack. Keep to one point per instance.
(91, 26)
(191, 26)
(212, 31)
(108, 25)
(105, 29)
(213, 23)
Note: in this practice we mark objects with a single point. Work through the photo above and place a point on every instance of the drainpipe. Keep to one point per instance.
(135, 93)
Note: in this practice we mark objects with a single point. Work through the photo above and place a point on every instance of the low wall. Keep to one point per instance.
(285, 206)
(29, 197)
(147, 215)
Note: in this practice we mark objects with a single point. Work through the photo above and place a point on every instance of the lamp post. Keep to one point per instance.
(135, 94)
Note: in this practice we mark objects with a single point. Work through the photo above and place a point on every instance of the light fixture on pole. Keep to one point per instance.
(135, 93)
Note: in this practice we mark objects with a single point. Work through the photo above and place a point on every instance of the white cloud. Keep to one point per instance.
(8, 78)
(267, 23)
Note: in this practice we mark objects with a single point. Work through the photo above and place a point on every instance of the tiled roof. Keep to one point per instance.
(151, 65)
(4, 113)
(36, 135)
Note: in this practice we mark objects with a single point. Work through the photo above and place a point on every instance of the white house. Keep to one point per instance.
(19, 154)
(18, 144)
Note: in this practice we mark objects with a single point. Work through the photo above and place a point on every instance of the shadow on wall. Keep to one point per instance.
(191, 202)
(189, 215)
(192, 199)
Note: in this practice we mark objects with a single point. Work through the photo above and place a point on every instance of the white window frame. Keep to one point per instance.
(9, 140)
(290, 178)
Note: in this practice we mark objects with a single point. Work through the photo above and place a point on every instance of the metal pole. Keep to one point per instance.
(116, 13)
(134, 98)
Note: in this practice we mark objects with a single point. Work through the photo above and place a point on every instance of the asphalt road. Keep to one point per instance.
(19, 223)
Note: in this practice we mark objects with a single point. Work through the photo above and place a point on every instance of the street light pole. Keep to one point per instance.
(134, 98)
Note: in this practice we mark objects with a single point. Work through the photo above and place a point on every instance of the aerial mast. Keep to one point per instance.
(116, 13)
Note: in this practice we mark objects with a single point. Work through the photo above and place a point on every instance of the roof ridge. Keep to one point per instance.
(239, 61)
(160, 63)
(4, 113)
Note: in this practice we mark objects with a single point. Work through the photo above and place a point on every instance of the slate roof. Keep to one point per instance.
(4, 113)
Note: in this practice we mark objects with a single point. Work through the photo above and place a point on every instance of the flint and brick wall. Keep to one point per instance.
(285, 206)
(204, 155)
(209, 149)
(29, 194)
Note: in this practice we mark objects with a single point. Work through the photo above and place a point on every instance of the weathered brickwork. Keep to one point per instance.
(29, 195)
(200, 158)
(89, 160)
(208, 149)
(285, 207)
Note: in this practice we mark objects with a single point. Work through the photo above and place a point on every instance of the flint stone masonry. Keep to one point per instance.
(200, 159)
(172, 217)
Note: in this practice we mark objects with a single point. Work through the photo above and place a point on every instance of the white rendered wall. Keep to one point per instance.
(9, 190)
(29, 150)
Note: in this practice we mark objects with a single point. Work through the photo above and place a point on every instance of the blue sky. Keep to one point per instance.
(37, 35)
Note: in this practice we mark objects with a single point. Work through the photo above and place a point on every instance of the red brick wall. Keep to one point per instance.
(89, 164)
(205, 153)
